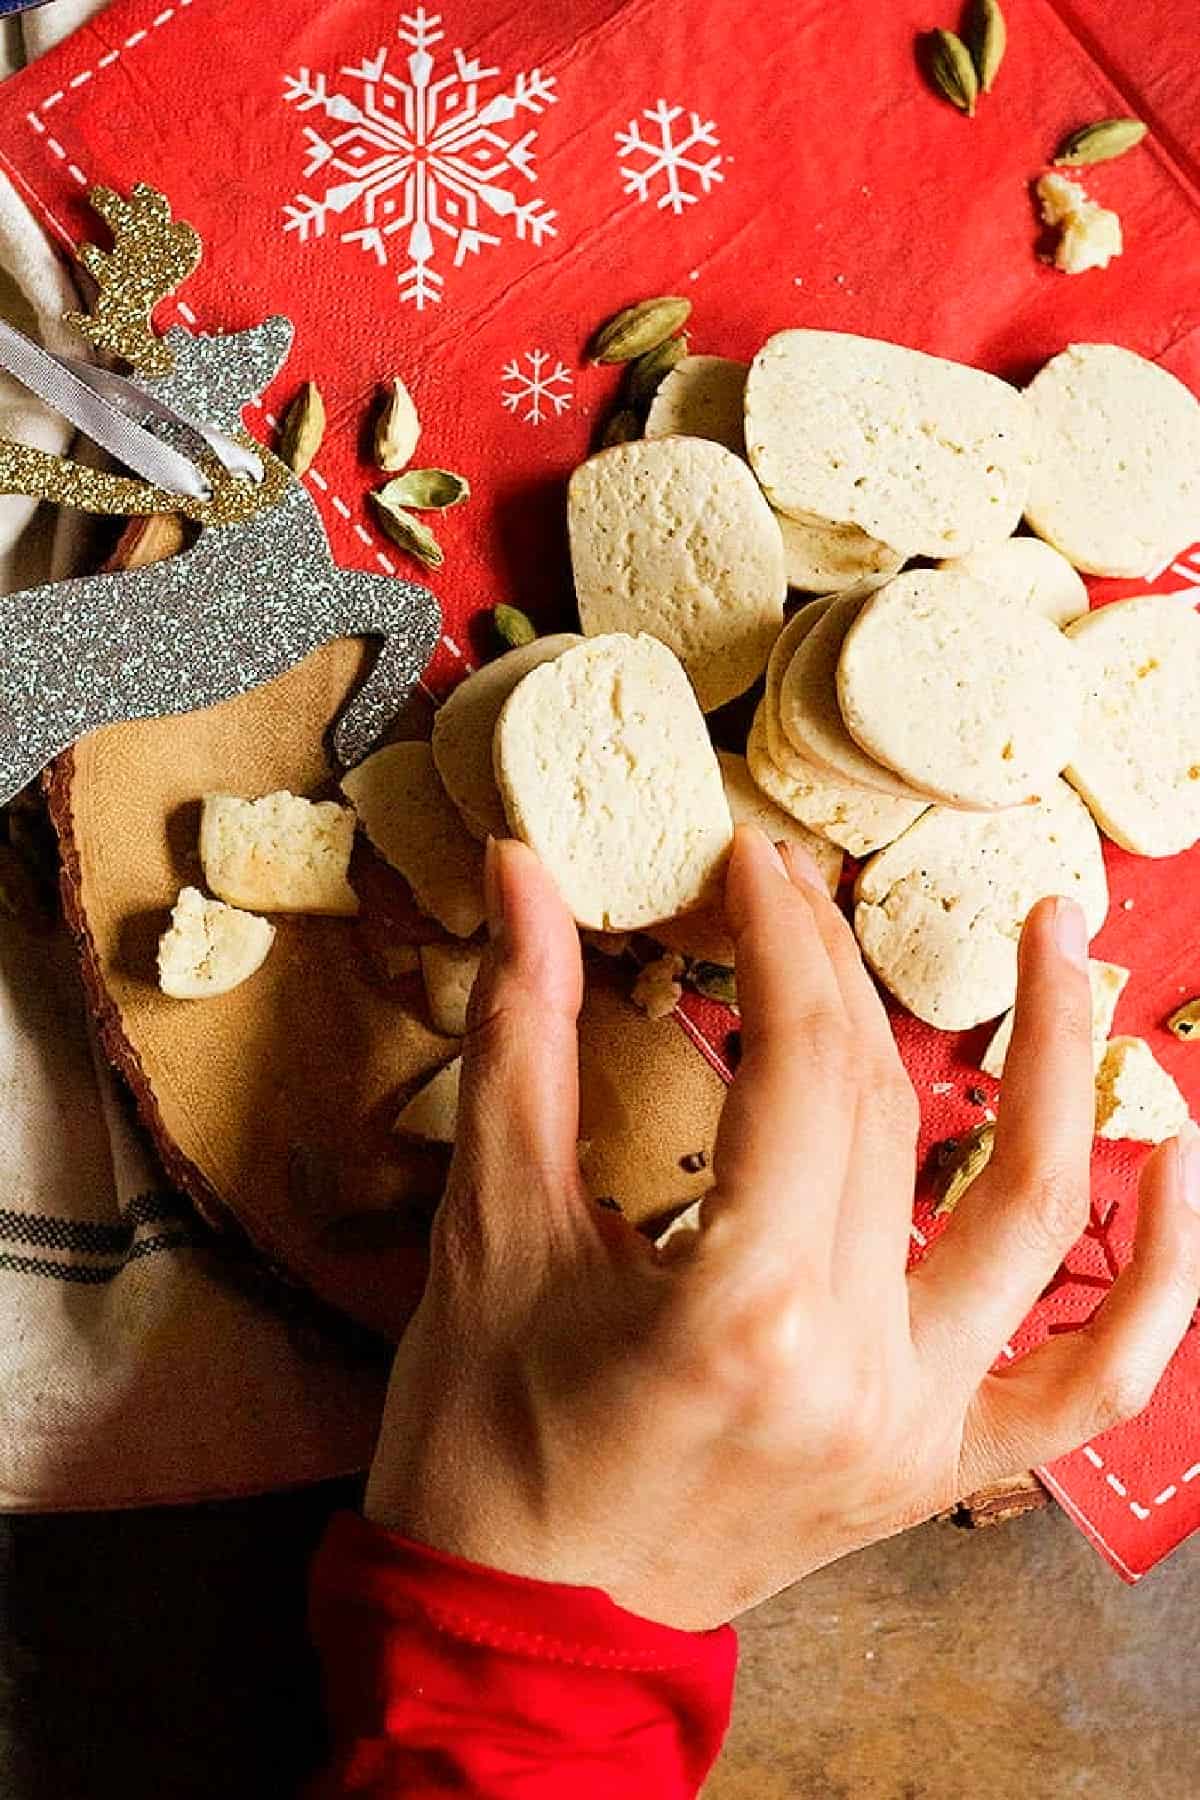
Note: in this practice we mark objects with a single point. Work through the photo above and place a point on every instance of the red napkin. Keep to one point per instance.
(461, 197)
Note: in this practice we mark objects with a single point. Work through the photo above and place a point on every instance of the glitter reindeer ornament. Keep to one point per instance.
(255, 593)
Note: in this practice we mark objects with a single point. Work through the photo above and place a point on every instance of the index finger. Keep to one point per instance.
(784, 1139)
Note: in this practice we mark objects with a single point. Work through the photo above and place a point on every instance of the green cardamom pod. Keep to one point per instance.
(1101, 142)
(428, 490)
(623, 428)
(513, 627)
(302, 429)
(1186, 1022)
(952, 71)
(403, 529)
(714, 981)
(646, 372)
(397, 428)
(966, 1164)
(989, 40)
(640, 328)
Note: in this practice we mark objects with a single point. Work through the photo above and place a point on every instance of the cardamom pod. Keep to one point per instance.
(623, 428)
(429, 490)
(1186, 1022)
(952, 71)
(640, 328)
(397, 427)
(302, 429)
(989, 40)
(714, 981)
(405, 530)
(513, 627)
(966, 1163)
(646, 372)
(1100, 142)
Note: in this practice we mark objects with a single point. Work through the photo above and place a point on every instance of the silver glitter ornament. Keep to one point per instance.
(242, 605)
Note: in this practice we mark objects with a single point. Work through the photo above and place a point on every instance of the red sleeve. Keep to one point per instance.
(443, 1677)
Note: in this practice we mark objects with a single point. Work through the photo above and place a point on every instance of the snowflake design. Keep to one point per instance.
(421, 157)
(543, 391)
(662, 148)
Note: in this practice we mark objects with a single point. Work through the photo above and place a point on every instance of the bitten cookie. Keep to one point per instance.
(278, 854)
(607, 772)
(939, 912)
(1117, 484)
(811, 717)
(414, 825)
(674, 538)
(1027, 572)
(974, 702)
(1137, 761)
(465, 725)
(928, 456)
(852, 817)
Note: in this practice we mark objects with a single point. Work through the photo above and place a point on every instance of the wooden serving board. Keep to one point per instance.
(272, 1106)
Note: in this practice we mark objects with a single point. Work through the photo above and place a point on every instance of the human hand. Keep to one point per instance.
(695, 1429)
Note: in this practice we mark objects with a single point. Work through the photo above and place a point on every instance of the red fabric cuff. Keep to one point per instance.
(445, 1677)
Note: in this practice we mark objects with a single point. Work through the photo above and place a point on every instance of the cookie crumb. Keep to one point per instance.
(659, 989)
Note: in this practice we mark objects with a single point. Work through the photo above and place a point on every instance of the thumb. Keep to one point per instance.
(518, 1118)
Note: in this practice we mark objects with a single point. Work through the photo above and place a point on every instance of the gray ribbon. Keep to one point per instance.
(106, 408)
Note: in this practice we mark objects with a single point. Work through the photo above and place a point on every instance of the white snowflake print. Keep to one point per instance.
(422, 160)
(661, 151)
(530, 382)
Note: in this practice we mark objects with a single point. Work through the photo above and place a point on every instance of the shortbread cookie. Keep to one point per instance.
(928, 456)
(782, 652)
(1137, 762)
(1117, 485)
(702, 935)
(820, 557)
(1108, 983)
(278, 854)
(850, 816)
(977, 703)
(465, 725)
(209, 948)
(1029, 573)
(607, 772)
(414, 825)
(701, 397)
(432, 1113)
(811, 717)
(449, 971)
(1135, 1097)
(674, 538)
(939, 912)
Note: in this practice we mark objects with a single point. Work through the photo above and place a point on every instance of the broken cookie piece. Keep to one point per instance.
(278, 854)
(432, 1113)
(1108, 983)
(449, 971)
(209, 948)
(1135, 1097)
(659, 988)
(1089, 234)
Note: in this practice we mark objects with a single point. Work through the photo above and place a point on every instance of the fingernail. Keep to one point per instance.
(757, 839)
(1187, 1148)
(802, 866)
(493, 890)
(1070, 932)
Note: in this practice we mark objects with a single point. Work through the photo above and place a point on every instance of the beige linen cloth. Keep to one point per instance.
(142, 1360)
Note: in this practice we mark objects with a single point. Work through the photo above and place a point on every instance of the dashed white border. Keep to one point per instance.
(1119, 1488)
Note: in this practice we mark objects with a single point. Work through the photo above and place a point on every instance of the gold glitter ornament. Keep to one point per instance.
(152, 255)
(40, 475)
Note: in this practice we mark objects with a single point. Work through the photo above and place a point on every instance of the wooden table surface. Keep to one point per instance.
(160, 1655)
